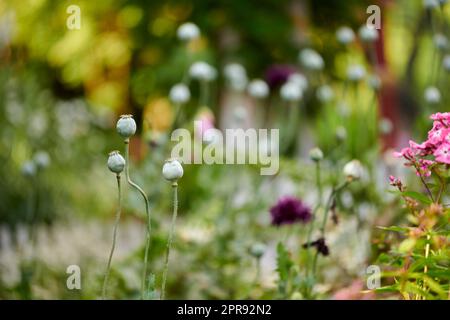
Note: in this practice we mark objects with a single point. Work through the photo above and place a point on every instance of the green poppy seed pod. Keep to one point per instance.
(257, 250)
(172, 170)
(126, 126)
(316, 154)
(116, 163)
(353, 170)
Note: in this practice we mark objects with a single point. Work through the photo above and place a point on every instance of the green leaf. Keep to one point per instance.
(284, 262)
(395, 228)
(417, 196)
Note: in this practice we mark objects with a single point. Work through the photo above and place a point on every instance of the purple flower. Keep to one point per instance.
(278, 74)
(289, 210)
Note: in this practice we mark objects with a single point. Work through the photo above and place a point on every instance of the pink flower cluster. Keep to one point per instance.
(420, 156)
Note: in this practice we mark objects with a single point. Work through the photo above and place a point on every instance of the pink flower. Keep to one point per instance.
(442, 154)
(424, 167)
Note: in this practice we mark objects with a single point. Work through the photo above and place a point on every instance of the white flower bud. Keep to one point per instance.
(42, 159)
(356, 72)
(299, 79)
(236, 76)
(179, 93)
(311, 60)
(353, 170)
(345, 35)
(116, 163)
(172, 170)
(316, 154)
(258, 89)
(446, 62)
(367, 34)
(291, 91)
(432, 95)
(202, 71)
(324, 93)
(188, 31)
(126, 126)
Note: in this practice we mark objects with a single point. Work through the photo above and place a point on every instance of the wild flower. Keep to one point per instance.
(278, 74)
(289, 210)
(258, 89)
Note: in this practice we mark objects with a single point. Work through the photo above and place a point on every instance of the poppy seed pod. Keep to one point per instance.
(432, 95)
(179, 93)
(188, 31)
(446, 62)
(345, 35)
(202, 71)
(126, 126)
(291, 91)
(311, 60)
(324, 93)
(353, 170)
(367, 34)
(258, 88)
(116, 163)
(356, 72)
(172, 170)
(316, 154)
(257, 250)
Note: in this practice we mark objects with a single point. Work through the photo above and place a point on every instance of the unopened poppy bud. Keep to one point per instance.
(257, 250)
(126, 126)
(172, 170)
(116, 163)
(188, 31)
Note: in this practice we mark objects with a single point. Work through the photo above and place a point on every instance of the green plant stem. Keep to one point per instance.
(170, 240)
(425, 185)
(113, 246)
(147, 211)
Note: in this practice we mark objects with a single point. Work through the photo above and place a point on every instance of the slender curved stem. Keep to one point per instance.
(147, 211)
(113, 246)
(170, 240)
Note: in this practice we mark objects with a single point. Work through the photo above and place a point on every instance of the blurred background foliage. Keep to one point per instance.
(62, 90)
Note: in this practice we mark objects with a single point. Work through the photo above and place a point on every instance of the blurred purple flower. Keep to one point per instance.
(289, 210)
(278, 74)
(320, 246)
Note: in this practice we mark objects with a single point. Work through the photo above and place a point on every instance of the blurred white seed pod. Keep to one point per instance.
(374, 82)
(236, 76)
(41, 159)
(446, 62)
(316, 154)
(172, 170)
(202, 71)
(29, 168)
(432, 95)
(258, 88)
(291, 91)
(440, 41)
(188, 31)
(300, 79)
(430, 4)
(325, 93)
(345, 35)
(126, 126)
(353, 170)
(258, 249)
(341, 134)
(116, 163)
(356, 72)
(367, 34)
(240, 114)
(179, 94)
(311, 60)
(385, 126)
